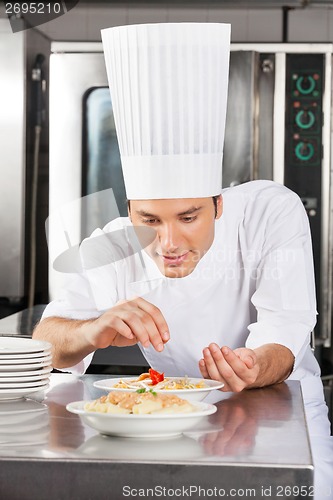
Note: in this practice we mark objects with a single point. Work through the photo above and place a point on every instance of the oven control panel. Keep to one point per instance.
(304, 116)
(303, 140)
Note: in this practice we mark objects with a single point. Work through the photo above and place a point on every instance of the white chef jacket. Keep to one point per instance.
(255, 285)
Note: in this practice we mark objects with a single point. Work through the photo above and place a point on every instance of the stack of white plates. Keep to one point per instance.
(25, 367)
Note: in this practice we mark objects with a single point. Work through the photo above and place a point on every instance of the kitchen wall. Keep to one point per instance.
(248, 25)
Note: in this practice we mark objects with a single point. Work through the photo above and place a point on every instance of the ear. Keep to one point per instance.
(219, 207)
(129, 210)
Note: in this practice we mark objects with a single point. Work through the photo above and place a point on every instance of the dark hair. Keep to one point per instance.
(215, 198)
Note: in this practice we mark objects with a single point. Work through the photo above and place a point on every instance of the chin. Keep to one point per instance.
(176, 272)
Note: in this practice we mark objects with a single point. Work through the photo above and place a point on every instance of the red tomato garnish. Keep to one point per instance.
(155, 376)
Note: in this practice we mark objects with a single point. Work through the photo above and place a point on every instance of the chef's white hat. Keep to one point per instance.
(168, 86)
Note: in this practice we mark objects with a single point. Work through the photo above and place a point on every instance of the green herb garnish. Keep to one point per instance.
(141, 391)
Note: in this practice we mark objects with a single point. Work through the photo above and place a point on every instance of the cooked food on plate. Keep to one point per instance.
(139, 403)
(156, 380)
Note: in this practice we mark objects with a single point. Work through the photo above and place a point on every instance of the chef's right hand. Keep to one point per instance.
(127, 323)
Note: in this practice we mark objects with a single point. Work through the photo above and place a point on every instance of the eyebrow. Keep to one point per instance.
(190, 211)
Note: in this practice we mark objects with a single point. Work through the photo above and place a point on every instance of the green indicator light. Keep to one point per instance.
(311, 85)
(304, 151)
(315, 93)
(310, 119)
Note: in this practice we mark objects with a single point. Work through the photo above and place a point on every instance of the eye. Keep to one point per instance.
(189, 219)
(149, 221)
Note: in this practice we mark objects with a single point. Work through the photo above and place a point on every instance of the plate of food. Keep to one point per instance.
(141, 414)
(192, 389)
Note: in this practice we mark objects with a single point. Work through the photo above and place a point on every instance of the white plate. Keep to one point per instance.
(23, 407)
(19, 368)
(25, 355)
(23, 419)
(9, 345)
(189, 394)
(25, 429)
(17, 380)
(33, 437)
(33, 373)
(24, 361)
(142, 426)
(23, 385)
(20, 393)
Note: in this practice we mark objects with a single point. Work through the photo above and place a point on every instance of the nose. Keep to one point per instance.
(169, 238)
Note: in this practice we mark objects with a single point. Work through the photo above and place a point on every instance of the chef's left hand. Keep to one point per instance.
(238, 369)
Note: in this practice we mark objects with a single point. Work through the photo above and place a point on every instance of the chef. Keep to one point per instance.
(225, 287)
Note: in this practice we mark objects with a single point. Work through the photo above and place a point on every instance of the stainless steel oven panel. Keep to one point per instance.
(71, 75)
(279, 117)
(240, 156)
(327, 205)
(265, 111)
(18, 53)
(12, 147)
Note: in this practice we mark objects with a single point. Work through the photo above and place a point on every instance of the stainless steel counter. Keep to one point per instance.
(256, 445)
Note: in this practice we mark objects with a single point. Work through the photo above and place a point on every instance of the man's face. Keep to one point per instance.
(184, 231)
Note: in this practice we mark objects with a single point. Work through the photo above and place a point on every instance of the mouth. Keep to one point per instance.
(174, 260)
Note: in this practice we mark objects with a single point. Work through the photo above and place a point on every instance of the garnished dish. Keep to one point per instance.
(139, 403)
(193, 389)
(141, 414)
(158, 381)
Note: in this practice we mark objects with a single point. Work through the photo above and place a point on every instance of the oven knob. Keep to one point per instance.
(305, 119)
(305, 84)
(304, 151)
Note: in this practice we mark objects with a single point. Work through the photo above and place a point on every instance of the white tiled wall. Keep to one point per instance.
(264, 25)
(104, 17)
(248, 25)
(311, 25)
(144, 14)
